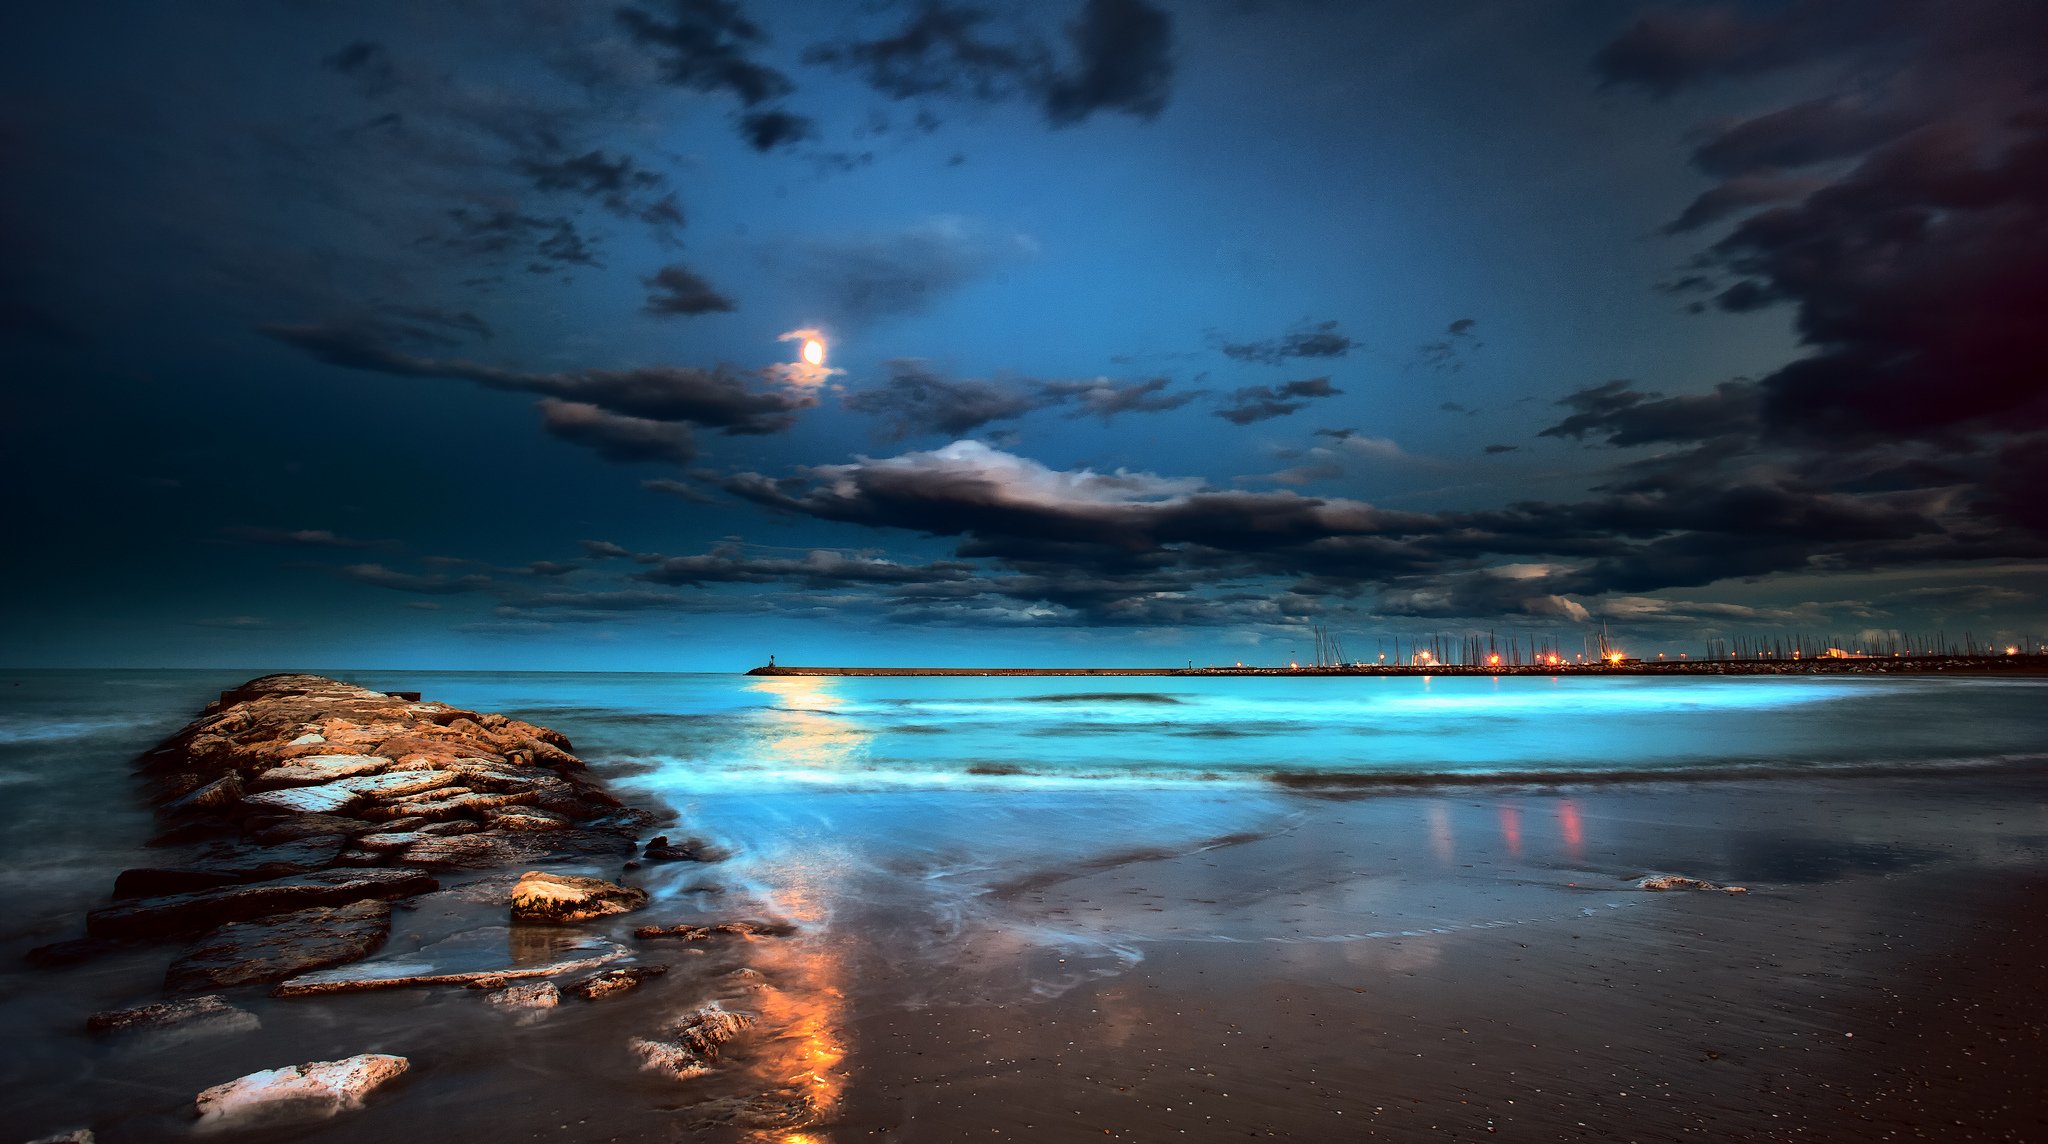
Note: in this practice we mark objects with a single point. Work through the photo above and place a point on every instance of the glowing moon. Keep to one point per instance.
(814, 351)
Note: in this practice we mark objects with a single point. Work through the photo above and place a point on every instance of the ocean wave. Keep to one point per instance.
(1103, 697)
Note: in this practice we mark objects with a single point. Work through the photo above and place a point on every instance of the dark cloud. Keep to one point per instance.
(368, 63)
(916, 400)
(1123, 61)
(818, 568)
(767, 130)
(705, 46)
(614, 183)
(1322, 340)
(712, 398)
(676, 290)
(604, 549)
(1119, 59)
(1916, 262)
(668, 486)
(1446, 354)
(1264, 402)
(1491, 450)
(939, 50)
(551, 243)
(1735, 196)
(616, 437)
(1101, 397)
(1623, 415)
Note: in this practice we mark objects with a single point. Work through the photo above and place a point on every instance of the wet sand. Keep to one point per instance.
(1146, 965)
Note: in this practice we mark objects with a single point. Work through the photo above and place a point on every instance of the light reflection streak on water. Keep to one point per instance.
(1573, 830)
(805, 731)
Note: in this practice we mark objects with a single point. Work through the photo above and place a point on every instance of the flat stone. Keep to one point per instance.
(243, 864)
(489, 957)
(307, 770)
(297, 1092)
(212, 1012)
(75, 1136)
(326, 798)
(691, 1045)
(619, 979)
(526, 818)
(281, 946)
(538, 995)
(465, 803)
(185, 913)
(390, 843)
(396, 784)
(1680, 882)
(563, 898)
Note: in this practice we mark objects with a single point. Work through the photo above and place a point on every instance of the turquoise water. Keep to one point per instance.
(721, 742)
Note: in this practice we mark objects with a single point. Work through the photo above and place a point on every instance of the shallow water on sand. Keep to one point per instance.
(957, 843)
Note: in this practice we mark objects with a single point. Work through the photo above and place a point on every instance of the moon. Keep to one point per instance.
(814, 351)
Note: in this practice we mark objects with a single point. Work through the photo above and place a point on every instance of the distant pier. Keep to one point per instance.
(1873, 665)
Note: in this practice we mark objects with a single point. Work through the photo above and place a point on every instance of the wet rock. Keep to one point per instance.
(75, 1136)
(463, 852)
(397, 784)
(232, 867)
(324, 798)
(390, 843)
(308, 770)
(1680, 882)
(212, 1012)
(538, 995)
(272, 831)
(613, 981)
(452, 802)
(482, 958)
(281, 946)
(526, 818)
(660, 849)
(219, 794)
(563, 898)
(309, 1091)
(448, 826)
(691, 1045)
(748, 929)
(185, 913)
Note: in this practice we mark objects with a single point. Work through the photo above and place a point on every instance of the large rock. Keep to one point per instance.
(296, 1092)
(212, 1014)
(563, 898)
(232, 867)
(691, 1045)
(281, 946)
(187, 913)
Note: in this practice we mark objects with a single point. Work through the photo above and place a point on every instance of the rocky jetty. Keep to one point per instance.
(298, 812)
(311, 803)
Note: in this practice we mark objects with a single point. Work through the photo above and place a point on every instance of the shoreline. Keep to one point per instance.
(1459, 957)
(1980, 665)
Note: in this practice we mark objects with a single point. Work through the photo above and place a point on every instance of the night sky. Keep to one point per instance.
(469, 334)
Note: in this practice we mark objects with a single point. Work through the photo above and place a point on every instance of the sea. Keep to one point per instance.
(937, 809)
(742, 757)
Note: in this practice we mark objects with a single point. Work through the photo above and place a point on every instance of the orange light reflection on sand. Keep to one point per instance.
(1574, 831)
(800, 1011)
(1511, 829)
